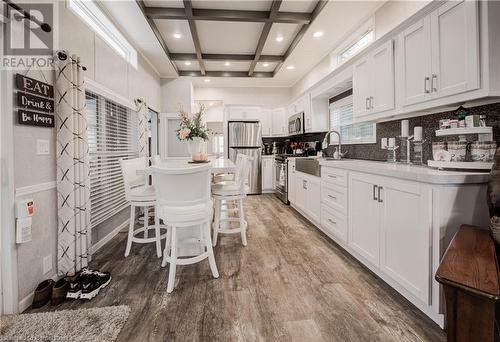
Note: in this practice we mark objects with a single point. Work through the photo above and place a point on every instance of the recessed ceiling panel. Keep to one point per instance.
(228, 37)
(242, 5)
(304, 6)
(176, 34)
(284, 31)
(221, 66)
(187, 65)
(265, 66)
(164, 3)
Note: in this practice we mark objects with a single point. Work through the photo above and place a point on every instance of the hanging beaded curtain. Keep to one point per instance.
(73, 185)
(142, 125)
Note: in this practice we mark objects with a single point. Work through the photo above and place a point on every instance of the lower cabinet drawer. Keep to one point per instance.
(334, 196)
(334, 176)
(335, 222)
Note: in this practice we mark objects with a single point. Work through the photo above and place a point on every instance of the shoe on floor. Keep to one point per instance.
(43, 293)
(76, 282)
(59, 291)
(94, 283)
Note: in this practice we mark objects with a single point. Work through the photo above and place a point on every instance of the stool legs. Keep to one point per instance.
(243, 223)
(210, 251)
(130, 230)
(157, 234)
(173, 259)
(218, 207)
(238, 203)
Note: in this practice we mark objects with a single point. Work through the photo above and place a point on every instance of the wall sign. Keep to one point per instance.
(34, 102)
(31, 85)
(25, 117)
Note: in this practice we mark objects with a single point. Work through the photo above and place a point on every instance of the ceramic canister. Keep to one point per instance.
(480, 151)
(457, 149)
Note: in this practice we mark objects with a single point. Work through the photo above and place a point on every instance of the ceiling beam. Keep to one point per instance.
(225, 74)
(228, 15)
(157, 34)
(317, 10)
(224, 57)
(275, 6)
(194, 34)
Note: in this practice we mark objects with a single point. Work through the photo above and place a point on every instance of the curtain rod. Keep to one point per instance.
(44, 26)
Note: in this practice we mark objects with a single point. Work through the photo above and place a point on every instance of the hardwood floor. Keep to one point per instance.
(290, 283)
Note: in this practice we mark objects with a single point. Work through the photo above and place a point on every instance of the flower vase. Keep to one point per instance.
(198, 149)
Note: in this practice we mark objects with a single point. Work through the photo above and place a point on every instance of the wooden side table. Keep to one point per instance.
(469, 275)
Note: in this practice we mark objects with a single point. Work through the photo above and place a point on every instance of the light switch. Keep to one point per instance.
(42, 146)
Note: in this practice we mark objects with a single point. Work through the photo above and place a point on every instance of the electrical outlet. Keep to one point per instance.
(42, 147)
(47, 264)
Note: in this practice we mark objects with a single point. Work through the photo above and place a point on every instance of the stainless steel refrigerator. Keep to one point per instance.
(246, 137)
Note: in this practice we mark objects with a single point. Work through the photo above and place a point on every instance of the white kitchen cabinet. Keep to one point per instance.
(279, 122)
(308, 195)
(266, 121)
(334, 222)
(405, 235)
(244, 113)
(364, 217)
(267, 174)
(291, 180)
(373, 81)
(440, 53)
(455, 48)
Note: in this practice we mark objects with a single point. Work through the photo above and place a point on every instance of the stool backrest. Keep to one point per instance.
(182, 186)
(129, 172)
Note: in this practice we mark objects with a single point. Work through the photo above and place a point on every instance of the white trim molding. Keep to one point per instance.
(108, 237)
(99, 89)
(31, 189)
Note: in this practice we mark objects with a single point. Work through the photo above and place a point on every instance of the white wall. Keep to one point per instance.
(176, 93)
(105, 67)
(264, 97)
(386, 18)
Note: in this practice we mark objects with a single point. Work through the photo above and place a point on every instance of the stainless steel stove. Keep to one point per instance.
(281, 175)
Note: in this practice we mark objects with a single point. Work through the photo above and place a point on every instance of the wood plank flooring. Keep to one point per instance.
(291, 283)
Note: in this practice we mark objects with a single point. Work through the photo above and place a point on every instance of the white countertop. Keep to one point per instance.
(422, 174)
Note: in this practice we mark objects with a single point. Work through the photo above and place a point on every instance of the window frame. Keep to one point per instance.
(91, 14)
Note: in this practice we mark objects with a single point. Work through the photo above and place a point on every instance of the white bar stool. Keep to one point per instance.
(140, 195)
(232, 191)
(184, 201)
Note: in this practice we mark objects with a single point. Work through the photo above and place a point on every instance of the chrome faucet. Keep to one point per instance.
(326, 142)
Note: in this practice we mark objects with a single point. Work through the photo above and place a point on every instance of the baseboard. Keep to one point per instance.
(26, 302)
(108, 237)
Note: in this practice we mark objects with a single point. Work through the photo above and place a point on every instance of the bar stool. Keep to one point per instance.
(183, 196)
(232, 191)
(140, 195)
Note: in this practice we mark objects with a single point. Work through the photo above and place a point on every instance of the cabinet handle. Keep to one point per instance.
(371, 102)
(332, 221)
(366, 103)
(426, 80)
(379, 197)
(434, 86)
(331, 176)
(374, 194)
(304, 184)
(332, 197)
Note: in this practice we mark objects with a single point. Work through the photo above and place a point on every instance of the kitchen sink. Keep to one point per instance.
(308, 165)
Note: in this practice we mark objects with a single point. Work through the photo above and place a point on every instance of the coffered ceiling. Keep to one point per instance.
(229, 38)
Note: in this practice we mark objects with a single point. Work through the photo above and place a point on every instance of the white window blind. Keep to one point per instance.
(112, 135)
(341, 120)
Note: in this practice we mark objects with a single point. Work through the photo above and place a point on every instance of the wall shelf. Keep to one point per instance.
(460, 165)
(464, 131)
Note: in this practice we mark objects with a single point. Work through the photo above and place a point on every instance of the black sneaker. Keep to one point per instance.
(75, 285)
(94, 283)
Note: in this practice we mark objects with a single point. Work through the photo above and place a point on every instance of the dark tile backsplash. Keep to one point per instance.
(430, 124)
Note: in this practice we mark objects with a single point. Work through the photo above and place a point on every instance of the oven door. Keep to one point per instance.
(280, 180)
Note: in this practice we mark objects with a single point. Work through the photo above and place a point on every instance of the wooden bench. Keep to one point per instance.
(469, 275)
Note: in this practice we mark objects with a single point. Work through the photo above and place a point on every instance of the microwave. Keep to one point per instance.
(296, 124)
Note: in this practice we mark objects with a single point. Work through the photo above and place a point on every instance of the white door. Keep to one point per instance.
(405, 236)
(267, 174)
(455, 48)
(362, 84)
(313, 198)
(169, 145)
(364, 216)
(266, 122)
(415, 43)
(382, 97)
(300, 192)
(279, 121)
(291, 181)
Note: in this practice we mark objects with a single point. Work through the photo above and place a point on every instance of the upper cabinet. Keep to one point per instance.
(440, 53)
(373, 81)
(243, 113)
(266, 120)
(279, 122)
